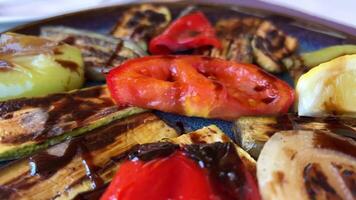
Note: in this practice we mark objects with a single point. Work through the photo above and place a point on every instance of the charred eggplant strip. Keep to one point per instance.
(254, 40)
(235, 35)
(212, 134)
(100, 52)
(206, 135)
(253, 132)
(142, 22)
(270, 46)
(28, 125)
(81, 164)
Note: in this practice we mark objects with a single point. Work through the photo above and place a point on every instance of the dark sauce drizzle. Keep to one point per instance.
(220, 159)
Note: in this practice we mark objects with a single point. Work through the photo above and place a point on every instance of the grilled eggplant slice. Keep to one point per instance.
(253, 40)
(307, 165)
(142, 22)
(207, 135)
(270, 46)
(253, 132)
(235, 35)
(100, 52)
(212, 134)
(82, 164)
(28, 125)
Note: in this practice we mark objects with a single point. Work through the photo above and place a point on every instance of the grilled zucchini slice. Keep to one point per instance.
(82, 164)
(253, 132)
(100, 151)
(31, 124)
(271, 45)
(142, 22)
(301, 165)
(100, 52)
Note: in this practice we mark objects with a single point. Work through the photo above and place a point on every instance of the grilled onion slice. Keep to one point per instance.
(307, 165)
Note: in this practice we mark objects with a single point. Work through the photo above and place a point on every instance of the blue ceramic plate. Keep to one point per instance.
(311, 37)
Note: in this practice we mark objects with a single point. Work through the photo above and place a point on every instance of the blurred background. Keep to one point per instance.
(16, 12)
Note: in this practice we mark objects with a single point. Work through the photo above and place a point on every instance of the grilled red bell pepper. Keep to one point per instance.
(174, 177)
(199, 86)
(188, 32)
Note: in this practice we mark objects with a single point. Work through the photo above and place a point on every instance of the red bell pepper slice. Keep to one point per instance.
(199, 86)
(174, 177)
(188, 32)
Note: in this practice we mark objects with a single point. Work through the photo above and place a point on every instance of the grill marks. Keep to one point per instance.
(342, 126)
(100, 52)
(254, 40)
(317, 184)
(58, 113)
(141, 23)
(271, 46)
(76, 158)
(235, 35)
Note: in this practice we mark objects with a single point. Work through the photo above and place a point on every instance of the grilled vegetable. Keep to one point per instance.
(82, 164)
(142, 22)
(253, 132)
(100, 52)
(315, 58)
(211, 134)
(235, 35)
(270, 46)
(199, 86)
(253, 40)
(200, 171)
(307, 165)
(28, 125)
(32, 66)
(191, 31)
(206, 135)
(329, 89)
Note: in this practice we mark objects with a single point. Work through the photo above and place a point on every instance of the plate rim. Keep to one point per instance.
(304, 20)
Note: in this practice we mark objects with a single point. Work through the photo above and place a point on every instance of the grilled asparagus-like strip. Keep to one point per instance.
(315, 58)
(142, 22)
(253, 132)
(31, 124)
(82, 164)
(100, 52)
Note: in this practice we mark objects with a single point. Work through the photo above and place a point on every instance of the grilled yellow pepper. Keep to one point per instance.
(32, 66)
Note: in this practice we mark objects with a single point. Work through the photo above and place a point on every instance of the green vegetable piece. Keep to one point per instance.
(315, 58)
(31, 124)
(32, 66)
